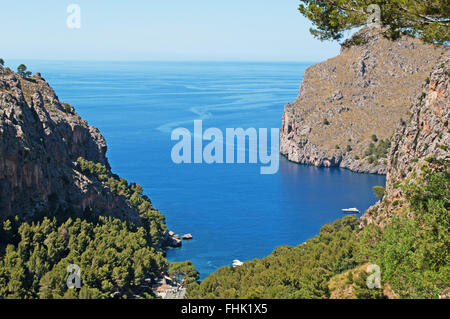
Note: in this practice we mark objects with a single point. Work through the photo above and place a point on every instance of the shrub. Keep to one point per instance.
(379, 191)
(68, 108)
(380, 150)
(22, 71)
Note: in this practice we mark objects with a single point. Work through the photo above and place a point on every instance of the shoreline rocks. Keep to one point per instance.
(172, 240)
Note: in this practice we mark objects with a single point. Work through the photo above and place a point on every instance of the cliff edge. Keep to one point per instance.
(349, 106)
(420, 144)
(53, 163)
(41, 140)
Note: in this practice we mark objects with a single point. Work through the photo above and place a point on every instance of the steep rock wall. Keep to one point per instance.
(40, 141)
(343, 102)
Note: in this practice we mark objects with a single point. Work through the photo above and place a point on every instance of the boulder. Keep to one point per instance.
(187, 236)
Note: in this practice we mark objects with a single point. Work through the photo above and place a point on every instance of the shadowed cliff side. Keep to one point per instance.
(41, 139)
(53, 163)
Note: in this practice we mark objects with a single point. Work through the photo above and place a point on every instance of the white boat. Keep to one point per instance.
(351, 210)
(237, 263)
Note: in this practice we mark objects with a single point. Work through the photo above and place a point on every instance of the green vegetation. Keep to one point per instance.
(68, 108)
(426, 19)
(353, 284)
(184, 272)
(354, 41)
(22, 71)
(413, 254)
(373, 160)
(2, 62)
(326, 122)
(379, 191)
(289, 272)
(114, 256)
(379, 150)
(152, 218)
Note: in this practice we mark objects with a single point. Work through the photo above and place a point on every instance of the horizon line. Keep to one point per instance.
(158, 60)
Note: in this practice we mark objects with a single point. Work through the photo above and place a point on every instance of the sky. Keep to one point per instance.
(161, 30)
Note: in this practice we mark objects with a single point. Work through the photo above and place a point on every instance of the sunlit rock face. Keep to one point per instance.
(347, 100)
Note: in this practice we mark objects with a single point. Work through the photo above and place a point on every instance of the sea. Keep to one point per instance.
(232, 210)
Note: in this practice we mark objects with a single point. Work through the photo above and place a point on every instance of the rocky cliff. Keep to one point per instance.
(41, 141)
(349, 106)
(423, 141)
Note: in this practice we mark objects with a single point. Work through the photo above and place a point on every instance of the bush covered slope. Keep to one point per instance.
(413, 253)
(60, 204)
(406, 234)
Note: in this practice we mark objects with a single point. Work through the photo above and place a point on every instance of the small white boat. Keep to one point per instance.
(237, 263)
(351, 210)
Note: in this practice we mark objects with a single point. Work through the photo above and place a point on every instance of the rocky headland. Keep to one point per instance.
(349, 106)
(41, 143)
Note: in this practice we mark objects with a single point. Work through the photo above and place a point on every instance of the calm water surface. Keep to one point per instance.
(232, 211)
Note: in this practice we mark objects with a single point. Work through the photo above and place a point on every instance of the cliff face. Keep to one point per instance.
(426, 136)
(355, 99)
(40, 141)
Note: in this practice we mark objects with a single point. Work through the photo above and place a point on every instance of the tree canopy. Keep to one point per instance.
(427, 19)
(184, 272)
(22, 70)
(116, 258)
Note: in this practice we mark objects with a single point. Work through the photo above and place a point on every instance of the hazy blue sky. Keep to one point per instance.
(244, 30)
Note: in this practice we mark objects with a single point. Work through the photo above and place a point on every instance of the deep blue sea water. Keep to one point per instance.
(232, 211)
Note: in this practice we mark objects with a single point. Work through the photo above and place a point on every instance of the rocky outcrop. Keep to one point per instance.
(426, 136)
(187, 237)
(41, 139)
(355, 99)
(172, 240)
